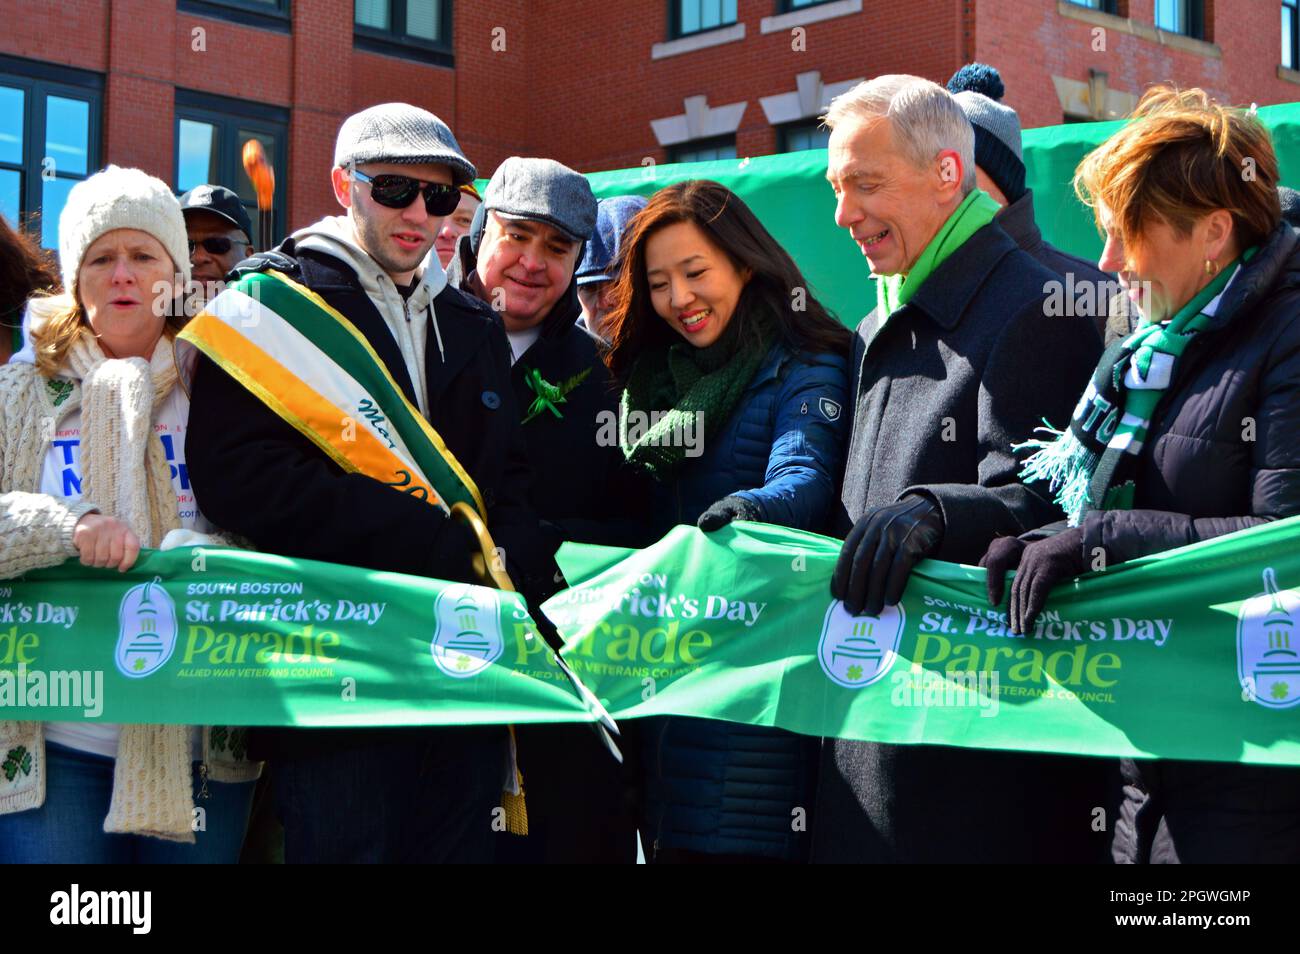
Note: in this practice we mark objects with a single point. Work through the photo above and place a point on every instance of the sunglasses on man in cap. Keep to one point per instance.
(215, 244)
(398, 192)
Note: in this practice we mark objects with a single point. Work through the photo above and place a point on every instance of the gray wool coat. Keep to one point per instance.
(941, 390)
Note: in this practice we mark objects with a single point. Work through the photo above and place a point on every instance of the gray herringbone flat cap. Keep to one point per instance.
(400, 132)
(543, 190)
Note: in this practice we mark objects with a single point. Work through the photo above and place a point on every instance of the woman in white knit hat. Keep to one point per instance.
(107, 479)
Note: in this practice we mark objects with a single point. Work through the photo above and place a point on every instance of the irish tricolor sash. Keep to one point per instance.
(309, 364)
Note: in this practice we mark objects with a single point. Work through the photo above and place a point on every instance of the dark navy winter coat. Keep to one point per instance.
(721, 787)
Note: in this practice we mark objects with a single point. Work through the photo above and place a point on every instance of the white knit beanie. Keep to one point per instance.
(118, 198)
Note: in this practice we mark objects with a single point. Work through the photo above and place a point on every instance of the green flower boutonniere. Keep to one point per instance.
(548, 394)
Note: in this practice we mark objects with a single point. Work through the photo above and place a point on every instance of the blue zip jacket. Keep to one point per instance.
(721, 787)
(781, 448)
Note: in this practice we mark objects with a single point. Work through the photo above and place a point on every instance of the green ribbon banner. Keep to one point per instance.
(1189, 654)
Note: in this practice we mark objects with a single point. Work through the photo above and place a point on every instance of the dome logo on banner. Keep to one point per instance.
(856, 651)
(146, 629)
(467, 630)
(1268, 646)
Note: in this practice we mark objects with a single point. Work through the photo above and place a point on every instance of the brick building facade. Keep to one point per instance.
(172, 86)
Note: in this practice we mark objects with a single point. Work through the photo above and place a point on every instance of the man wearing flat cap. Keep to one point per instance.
(520, 257)
(260, 469)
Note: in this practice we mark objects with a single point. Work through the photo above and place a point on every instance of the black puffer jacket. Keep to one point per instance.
(1223, 454)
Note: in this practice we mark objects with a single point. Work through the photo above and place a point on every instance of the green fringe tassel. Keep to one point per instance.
(1066, 464)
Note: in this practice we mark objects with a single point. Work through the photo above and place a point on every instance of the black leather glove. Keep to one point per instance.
(261, 262)
(1002, 555)
(880, 551)
(1043, 565)
(726, 510)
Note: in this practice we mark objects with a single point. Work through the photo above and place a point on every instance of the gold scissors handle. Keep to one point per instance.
(485, 562)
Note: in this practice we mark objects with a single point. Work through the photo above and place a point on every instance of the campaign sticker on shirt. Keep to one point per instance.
(830, 409)
(61, 471)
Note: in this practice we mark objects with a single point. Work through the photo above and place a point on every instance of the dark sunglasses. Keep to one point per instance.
(217, 245)
(397, 192)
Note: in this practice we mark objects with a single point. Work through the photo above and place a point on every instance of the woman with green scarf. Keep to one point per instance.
(1190, 429)
(734, 384)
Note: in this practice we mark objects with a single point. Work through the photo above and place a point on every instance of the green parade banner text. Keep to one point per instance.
(1190, 654)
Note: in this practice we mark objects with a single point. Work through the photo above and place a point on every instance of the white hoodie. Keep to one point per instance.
(408, 319)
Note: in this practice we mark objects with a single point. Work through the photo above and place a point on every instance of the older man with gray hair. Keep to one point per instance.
(958, 361)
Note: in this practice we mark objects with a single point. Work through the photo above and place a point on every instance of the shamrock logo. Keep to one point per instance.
(18, 759)
(59, 389)
(1278, 690)
(139, 664)
(462, 662)
(854, 672)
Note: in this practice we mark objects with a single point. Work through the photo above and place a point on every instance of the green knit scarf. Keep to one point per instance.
(673, 392)
(976, 211)
(1092, 463)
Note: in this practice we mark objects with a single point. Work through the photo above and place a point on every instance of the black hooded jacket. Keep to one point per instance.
(257, 476)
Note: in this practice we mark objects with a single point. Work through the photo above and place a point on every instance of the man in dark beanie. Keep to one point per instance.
(1000, 171)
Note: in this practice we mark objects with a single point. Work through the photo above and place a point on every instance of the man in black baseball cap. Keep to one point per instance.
(219, 232)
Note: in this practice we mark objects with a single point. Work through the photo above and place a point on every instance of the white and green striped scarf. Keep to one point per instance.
(1090, 464)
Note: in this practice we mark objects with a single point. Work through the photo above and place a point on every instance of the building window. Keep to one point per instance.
(789, 6)
(1181, 16)
(268, 14)
(419, 29)
(49, 141)
(696, 16)
(1103, 6)
(1291, 34)
(703, 150)
(795, 137)
(210, 136)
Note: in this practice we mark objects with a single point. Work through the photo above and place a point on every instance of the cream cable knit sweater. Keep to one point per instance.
(152, 787)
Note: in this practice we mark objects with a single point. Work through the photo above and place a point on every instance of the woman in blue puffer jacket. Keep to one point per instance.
(734, 381)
